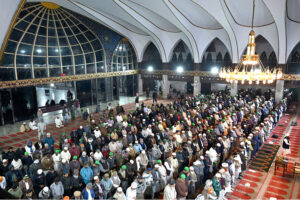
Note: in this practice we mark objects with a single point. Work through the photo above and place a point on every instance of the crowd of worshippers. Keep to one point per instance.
(157, 151)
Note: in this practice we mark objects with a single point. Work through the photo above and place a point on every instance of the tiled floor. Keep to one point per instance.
(49, 117)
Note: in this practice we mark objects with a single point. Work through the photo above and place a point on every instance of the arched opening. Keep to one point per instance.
(151, 57)
(263, 49)
(272, 60)
(263, 58)
(181, 57)
(293, 62)
(212, 56)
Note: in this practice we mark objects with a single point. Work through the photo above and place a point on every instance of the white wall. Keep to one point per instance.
(55, 94)
(179, 86)
(219, 86)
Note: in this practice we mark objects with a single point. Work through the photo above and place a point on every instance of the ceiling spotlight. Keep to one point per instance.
(51, 84)
(179, 69)
(23, 51)
(39, 50)
(150, 69)
(214, 70)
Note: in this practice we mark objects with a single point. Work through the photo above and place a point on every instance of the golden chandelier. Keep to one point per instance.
(250, 68)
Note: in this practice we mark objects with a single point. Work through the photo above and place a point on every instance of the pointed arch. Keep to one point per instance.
(216, 45)
(181, 51)
(263, 58)
(151, 56)
(219, 58)
(272, 60)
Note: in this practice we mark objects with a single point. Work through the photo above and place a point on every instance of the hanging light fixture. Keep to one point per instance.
(250, 68)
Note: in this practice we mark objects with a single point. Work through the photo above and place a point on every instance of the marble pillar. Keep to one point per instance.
(165, 86)
(279, 90)
(140, 84)
(234, 88)
(197, 86)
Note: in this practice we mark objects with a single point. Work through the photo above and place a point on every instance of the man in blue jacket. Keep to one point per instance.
(86, 173)
(88, 192)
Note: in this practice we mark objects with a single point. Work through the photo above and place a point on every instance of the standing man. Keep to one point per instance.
(41, 129)
(181, 187)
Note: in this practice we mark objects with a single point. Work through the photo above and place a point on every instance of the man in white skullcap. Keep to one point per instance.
(236, 170)
(45, 193)
(174, 162)
(142, 161)
(227, 177)
(131, 192)
(208, 191)
(169, 167)
(119, 195)
(65, 154)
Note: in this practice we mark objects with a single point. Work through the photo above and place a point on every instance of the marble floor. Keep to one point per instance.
(49, 117)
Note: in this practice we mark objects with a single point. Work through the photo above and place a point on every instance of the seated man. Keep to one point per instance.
(24, 127)
(58, 122)
(32, 125)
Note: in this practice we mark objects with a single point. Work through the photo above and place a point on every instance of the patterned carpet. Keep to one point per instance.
(18, 140)
(264, 158)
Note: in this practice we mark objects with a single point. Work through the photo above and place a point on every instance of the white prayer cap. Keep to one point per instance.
(48, 134)
(231, 138)
(251, 134)
(119, 189)
(143, 152)
(134, 185)
(189, 142)
(46, 189)
(127, 149)
(222, 170)
(144, 120)
(202, 157)
(156, 166)
(96, 177)
(206, 153)
(248, 142)
(236, 159)
(204, 135)
(242, 143)
(136, 142)
(5, 160)
(130, 144)
(65, 148)
(199, 134)
(218, 175)
(63, 160)
(218, 145)
(36, 161)
(90, 139)
(173, 154)
(84, 153)
(91, 153)
(192, 168)
(80, 126)
(39, 171)
(225, 165)
(93, 120)
(131, 161)
(208, 183)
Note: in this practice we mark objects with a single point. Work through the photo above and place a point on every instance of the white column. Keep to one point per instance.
(140, 84)
(197, 85)
(165, 86)
(234, 88)
(279, 90)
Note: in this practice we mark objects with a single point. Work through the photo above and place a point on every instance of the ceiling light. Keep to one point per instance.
(150, 69)
(179, 69)
(22, 51)
(214, 70)
(39, 50)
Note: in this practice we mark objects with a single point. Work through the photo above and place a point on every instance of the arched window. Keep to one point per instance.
(209, 58)
(48, 41)
(296, 57)
(181, 52)
(152, 57)
(272, 60)
(264, 59)
(219, 58)
(123, 57)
